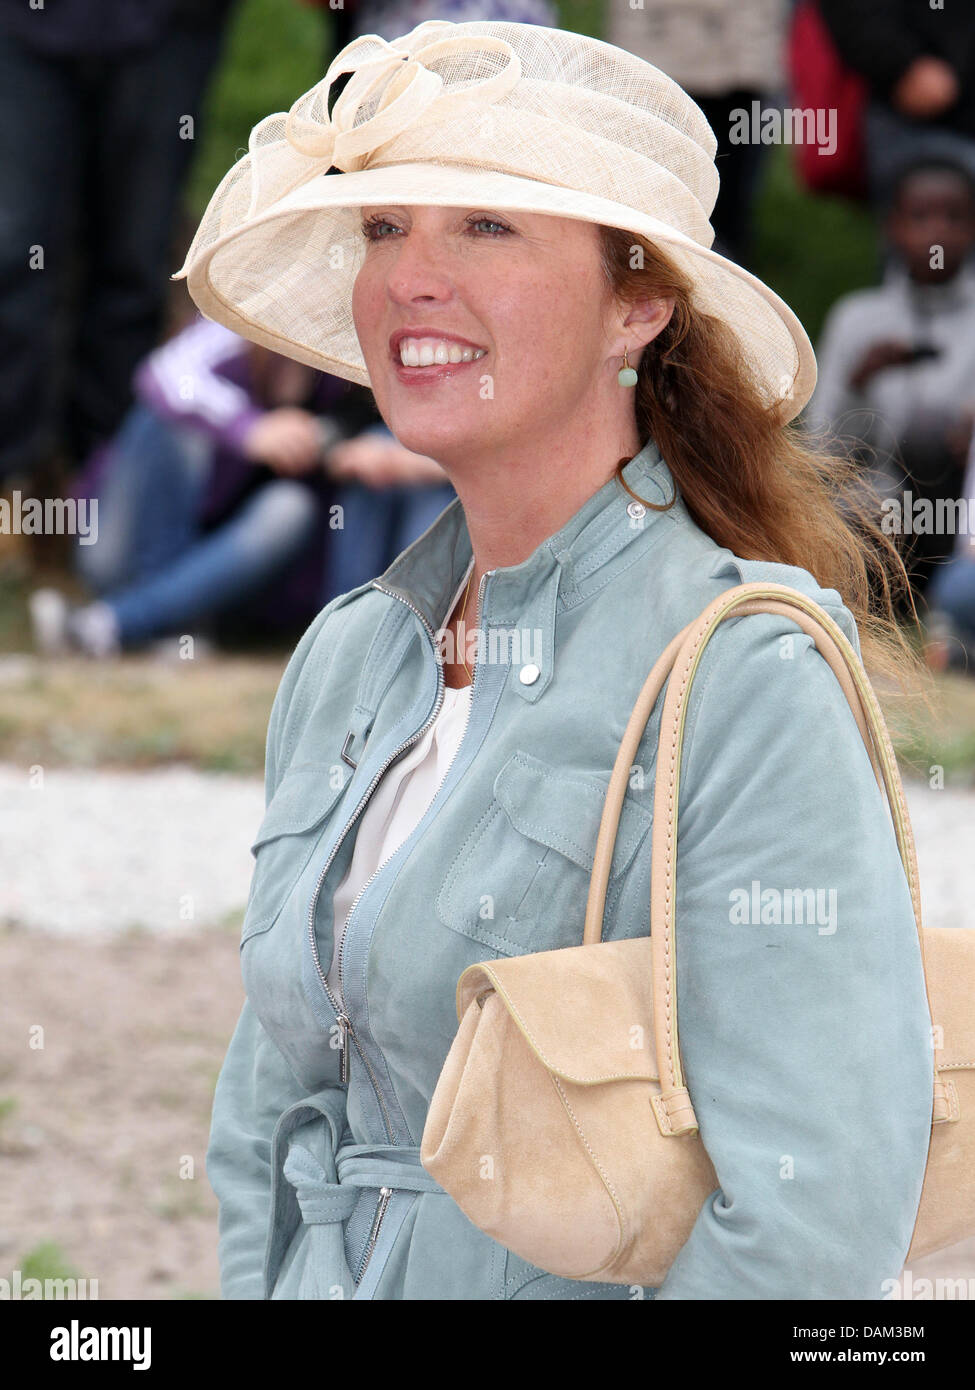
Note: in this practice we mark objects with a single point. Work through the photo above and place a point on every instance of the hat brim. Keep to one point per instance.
(284, 278)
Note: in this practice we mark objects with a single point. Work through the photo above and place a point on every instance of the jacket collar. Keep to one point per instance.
(428, 572)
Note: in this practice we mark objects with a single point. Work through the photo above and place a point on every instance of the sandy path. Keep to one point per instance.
(103, 1118)
(118, 1098)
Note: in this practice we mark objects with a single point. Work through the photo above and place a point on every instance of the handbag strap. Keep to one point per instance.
(679, 661)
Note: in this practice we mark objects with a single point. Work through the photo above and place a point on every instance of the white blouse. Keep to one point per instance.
(398, 803)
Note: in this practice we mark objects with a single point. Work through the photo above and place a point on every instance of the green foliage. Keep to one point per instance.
(274, 51)
(47, 1261)
(15, 585)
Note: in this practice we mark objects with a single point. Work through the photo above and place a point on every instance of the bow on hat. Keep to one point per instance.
(414, 95)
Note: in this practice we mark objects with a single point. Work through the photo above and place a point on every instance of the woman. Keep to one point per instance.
(433, 803)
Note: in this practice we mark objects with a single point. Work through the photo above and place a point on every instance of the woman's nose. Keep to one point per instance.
(418, 268)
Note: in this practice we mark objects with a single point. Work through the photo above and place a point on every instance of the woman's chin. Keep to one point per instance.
(436, 436)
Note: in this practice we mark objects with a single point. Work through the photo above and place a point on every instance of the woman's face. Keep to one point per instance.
(526, 288)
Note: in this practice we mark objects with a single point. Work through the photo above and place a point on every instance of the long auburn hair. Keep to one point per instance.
(756, 486)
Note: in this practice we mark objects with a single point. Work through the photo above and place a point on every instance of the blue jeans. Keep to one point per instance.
(152, 563)
(952, 589)
(377, 523)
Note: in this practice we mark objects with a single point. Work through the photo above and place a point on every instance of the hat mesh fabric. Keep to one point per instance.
(560, 114)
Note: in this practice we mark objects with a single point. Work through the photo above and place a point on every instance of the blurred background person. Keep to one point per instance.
(725, 54)
(219, 488)
(100, 106)
(101, 76)
(388, 496)
(918, 59)
(897, 362)
(950, 637)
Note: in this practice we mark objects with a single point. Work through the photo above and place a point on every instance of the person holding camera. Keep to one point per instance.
(897, 362)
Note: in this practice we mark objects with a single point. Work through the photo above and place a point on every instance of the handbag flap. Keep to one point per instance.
(585, 1011)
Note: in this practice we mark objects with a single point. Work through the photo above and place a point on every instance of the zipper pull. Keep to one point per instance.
(384, 1195)
(345, 1027)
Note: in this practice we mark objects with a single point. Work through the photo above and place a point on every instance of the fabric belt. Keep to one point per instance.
(357, 1166)
(318, 1180)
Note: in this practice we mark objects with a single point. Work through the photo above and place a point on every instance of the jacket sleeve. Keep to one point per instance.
(256, 1084)
(803, 1018)
(254, 1088)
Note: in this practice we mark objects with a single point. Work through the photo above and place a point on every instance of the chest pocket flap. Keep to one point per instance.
(563, 810)
(286, 837)
(521, 878)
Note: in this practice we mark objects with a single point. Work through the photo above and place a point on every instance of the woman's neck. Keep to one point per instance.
(511, 508)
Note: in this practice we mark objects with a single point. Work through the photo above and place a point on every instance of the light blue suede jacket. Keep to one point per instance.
(806, 1046)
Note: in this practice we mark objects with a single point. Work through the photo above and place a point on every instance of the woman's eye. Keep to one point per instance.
(371, 225)
(488, 221)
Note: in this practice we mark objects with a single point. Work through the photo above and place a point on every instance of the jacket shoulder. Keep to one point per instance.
(694, 570)
(762, 686)
(734, 570)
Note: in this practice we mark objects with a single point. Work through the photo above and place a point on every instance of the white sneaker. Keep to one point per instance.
(94, 630)
(49, 621)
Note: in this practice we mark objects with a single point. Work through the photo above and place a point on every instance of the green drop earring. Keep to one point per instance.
(627, 374)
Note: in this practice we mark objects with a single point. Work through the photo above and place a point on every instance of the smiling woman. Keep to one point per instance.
(503, 230)
(529, 293)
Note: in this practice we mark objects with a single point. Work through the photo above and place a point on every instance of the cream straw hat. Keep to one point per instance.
(489, 115)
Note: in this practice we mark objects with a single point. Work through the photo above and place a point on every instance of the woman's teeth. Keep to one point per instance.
(427, 352)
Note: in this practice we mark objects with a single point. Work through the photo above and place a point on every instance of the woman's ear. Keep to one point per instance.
(648, 317)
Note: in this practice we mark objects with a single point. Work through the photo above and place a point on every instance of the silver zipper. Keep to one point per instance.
(384, 1195)
(344, 1026)
(439, 704)
(347, 1031)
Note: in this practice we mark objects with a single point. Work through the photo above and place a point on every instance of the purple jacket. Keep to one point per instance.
(201, 378)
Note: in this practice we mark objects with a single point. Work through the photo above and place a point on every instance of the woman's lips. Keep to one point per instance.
(437, 371)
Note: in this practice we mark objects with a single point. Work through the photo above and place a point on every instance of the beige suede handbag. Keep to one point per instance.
(523, 1077)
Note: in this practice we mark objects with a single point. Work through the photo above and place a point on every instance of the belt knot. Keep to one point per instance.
(323, 1200)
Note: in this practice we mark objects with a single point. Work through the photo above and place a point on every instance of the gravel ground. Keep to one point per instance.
(944, 832)
(103, 1130)
(86, 852)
